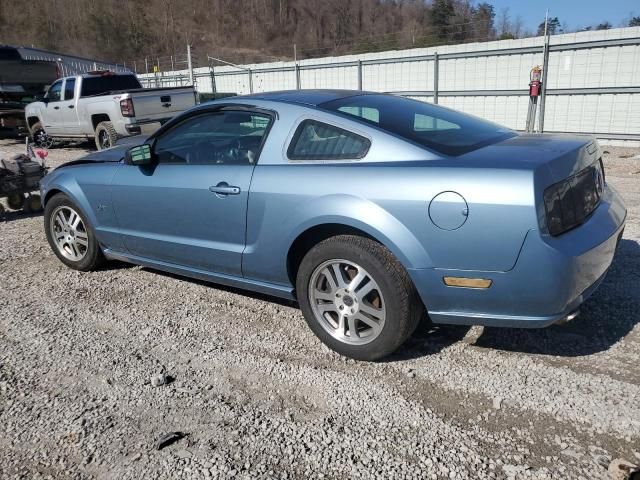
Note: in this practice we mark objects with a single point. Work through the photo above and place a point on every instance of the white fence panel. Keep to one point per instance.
(486, 79)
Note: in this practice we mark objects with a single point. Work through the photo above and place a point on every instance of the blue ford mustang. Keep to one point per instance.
(370, 210)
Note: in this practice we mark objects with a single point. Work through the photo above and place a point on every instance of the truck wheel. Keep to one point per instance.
(357, 298)
(106, 136)
(40, 137)
(70, 236)
(15, 201)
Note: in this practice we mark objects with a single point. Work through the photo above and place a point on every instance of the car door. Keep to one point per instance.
(189, 206)
(68, 115)
(51, 113)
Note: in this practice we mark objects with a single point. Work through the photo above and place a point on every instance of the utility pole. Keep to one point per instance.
(190, 64)
(545, 68)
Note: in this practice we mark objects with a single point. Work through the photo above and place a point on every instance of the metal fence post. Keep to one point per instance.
(297, 71)
(436, 76)
(359, 74)
(250, 80)
(213, 79)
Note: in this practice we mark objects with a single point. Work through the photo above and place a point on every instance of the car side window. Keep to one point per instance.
(53, 95)
(223, 137)
(314, 140)
(425, 123)
(69, 88)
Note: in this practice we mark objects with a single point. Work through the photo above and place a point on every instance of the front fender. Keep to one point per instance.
(62, 181)
(89, 188)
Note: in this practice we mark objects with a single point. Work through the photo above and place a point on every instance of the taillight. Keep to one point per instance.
(126, 107)
(570, 202)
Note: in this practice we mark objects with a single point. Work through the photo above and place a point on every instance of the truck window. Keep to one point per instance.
(53, 95)
(69, 88)
(99, 85)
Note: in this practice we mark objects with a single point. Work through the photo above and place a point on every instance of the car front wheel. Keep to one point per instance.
(357, 298)
(70, 236)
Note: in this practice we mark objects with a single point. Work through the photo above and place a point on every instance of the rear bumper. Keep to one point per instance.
(136, 127)
(551, 279)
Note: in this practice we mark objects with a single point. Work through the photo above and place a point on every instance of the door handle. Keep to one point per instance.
(56, 108)
(70, 106)
(224, 189)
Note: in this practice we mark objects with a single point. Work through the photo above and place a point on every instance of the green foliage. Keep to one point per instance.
(554, 27)
(240, 31)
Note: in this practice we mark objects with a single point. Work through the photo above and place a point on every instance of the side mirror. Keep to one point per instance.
(139, 155)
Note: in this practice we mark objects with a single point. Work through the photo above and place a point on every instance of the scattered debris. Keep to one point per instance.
(497, 403)
(168, 439)
(161, 379)
(621, 469)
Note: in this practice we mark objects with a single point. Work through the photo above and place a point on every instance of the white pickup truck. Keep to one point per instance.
(104, 106)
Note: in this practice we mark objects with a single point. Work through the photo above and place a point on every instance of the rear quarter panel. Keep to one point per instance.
(390, 202)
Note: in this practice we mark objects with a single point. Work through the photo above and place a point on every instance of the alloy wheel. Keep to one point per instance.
(347, 301)
(69, 233)
(41, 139)
(105, 140)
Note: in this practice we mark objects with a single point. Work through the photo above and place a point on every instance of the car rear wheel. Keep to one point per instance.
(357, 298)
(70, 236)
(105, 135)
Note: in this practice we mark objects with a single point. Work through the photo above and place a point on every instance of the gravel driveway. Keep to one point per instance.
(256, 395)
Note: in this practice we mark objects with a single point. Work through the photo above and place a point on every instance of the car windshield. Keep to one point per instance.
(440, 129)
(108, 83)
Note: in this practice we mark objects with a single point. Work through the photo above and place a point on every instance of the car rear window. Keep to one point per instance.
(92, 86)
(315, 140)
(437, 128)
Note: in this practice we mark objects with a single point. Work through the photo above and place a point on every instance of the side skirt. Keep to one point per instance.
(276, 290)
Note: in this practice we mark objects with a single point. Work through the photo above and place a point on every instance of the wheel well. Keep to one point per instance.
(310, 238)
(50, 194)
(100, 117)
(31, 121)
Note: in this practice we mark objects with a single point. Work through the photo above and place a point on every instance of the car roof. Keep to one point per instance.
(306, 97)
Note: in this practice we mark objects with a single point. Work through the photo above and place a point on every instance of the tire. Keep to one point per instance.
(105, 135)
(40, 137)
(32, 204)
(84, 256)
(382, 319)
(15, 201)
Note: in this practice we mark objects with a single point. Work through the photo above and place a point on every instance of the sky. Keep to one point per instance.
(575, 13)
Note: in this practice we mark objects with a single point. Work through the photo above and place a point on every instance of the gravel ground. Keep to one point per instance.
(258, 396)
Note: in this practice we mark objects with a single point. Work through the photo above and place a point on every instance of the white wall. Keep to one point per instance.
(613, 66)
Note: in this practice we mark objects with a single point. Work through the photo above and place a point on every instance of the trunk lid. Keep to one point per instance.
(562, 155)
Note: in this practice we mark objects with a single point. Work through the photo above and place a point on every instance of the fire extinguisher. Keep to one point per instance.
(535, 83)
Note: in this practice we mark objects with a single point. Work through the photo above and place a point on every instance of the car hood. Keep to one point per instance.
(113, 154)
